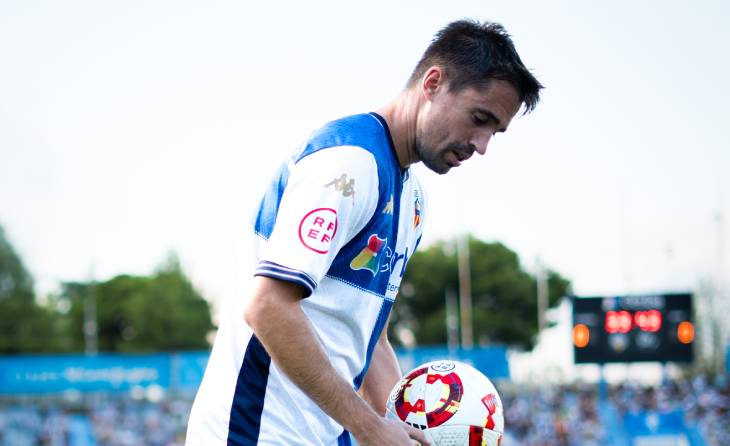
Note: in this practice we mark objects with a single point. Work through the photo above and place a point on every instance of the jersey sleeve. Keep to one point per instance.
(329, 197)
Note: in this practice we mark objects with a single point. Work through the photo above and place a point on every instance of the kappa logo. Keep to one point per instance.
(317, 229)
(388, 209)
(343, 185)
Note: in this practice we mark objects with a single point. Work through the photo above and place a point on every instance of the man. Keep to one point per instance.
(306, 359)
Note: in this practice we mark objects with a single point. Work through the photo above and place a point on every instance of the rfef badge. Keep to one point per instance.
(317, 229)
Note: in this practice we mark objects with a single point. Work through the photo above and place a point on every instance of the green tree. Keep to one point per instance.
(504, 303)
(25, 327)
(161, 312)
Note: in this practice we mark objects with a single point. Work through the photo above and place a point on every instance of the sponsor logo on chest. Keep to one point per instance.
(378, 258)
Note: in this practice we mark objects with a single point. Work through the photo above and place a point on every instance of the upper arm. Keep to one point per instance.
(269, 298)
(329, 196)
(383, 339)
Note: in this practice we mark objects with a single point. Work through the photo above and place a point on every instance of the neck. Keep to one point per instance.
(400, 114)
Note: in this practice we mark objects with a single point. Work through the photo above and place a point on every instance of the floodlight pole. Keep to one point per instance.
(462, 247)
(542, 296)
(602, 384)
(90, 324)
(452, 320)
(720, 335)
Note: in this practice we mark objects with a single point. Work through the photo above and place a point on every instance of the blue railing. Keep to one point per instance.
(48, 374)
(664, 424)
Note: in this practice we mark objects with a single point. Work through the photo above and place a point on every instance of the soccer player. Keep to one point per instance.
(305, 359)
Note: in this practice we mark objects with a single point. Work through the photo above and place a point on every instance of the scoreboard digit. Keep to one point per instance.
(638, 328)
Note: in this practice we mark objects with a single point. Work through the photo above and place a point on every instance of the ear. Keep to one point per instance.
(432, 81)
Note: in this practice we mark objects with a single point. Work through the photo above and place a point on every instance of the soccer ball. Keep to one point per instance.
(452, 402)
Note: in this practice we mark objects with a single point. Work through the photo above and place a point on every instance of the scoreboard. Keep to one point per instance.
(638, 328)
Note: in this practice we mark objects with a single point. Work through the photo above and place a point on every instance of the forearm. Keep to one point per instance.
(291, 341)
(383, 374)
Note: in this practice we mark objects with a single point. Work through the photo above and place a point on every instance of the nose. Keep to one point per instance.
(480, 142)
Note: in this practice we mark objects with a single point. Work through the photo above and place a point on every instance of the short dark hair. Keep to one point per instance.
(471, 53)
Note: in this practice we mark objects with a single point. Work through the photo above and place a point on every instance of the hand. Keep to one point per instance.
(393, 433)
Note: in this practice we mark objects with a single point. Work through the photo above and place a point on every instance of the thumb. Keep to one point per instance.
(418, 435)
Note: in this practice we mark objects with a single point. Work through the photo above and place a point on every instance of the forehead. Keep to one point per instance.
(496, 96)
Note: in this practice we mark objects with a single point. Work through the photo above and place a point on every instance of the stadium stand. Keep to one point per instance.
(108, 420)
(141, 411)
(547, 416)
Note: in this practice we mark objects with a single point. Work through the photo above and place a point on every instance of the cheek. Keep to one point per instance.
(438, 133)
(439, 128)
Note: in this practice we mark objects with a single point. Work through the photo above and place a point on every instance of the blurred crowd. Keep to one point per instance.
(26, 424)
(541, 416)
(704, 403)
(129, 423)
(117, 421)
(569, 415)
(552, 416)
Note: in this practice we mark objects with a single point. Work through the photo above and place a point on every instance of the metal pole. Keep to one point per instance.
(542, 296)
(90, 324)
(719, 321)
(452, 320)
(465, 292)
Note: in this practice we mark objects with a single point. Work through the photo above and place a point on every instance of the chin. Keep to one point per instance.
(436, 166)
(441, 170)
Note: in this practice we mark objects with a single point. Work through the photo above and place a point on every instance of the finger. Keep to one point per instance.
(419, 436)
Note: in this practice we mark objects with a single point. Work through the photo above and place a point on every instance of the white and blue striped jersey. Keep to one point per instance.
(341, 218)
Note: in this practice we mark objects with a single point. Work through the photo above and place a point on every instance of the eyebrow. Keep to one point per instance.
(492, 116)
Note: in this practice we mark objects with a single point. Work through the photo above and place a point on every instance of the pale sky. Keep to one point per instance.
(128, 129)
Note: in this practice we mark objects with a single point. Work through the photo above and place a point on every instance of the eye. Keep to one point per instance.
(479, 119)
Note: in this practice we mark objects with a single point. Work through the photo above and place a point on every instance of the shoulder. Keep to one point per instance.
(338, 166)
(365, 131)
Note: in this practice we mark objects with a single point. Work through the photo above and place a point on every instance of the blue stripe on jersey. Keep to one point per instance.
(383, 226)
(269, 206)
(248, 401)
(379, 324)
(344, 439)
(418, 242)
(276, 271)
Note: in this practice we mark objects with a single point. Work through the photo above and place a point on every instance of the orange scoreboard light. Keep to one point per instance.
(637, 328)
